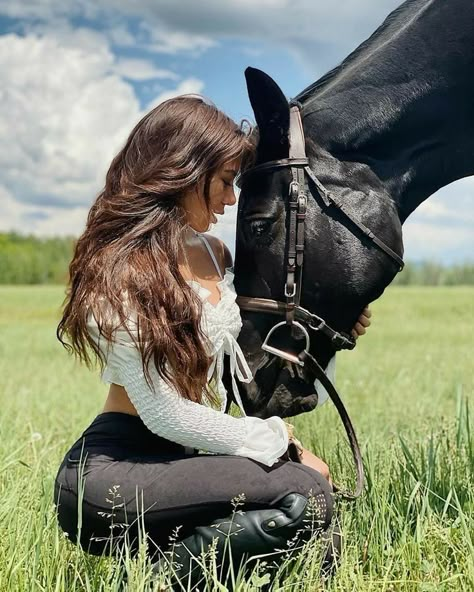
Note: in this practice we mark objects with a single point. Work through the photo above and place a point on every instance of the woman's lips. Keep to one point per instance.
(214, 215)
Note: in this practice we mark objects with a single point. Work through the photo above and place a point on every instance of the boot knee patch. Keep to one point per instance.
(289, 512)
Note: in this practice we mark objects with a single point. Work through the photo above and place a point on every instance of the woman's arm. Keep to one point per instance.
(166, 413)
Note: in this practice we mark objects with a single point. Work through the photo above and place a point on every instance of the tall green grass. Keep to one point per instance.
(408, 387)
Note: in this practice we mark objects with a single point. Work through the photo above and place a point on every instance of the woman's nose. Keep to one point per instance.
(231, 198)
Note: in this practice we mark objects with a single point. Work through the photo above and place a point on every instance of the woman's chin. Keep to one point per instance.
(205, 227)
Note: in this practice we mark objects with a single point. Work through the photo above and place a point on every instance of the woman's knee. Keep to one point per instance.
(316, 488)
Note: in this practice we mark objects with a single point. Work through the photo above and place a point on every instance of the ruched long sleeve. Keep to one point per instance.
(175, 418)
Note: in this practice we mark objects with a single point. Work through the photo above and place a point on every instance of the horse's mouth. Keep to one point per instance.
(295, 380)
(292, 391)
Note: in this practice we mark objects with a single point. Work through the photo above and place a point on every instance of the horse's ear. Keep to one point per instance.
(272, 115)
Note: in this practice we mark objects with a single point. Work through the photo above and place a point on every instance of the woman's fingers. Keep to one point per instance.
(362, 323)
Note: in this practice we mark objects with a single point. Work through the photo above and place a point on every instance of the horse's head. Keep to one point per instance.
(342, 272)
(385, 129)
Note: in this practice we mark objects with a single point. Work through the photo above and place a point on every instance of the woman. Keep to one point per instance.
(151, 298)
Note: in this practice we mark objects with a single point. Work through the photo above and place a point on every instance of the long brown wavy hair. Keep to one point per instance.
(133, 238)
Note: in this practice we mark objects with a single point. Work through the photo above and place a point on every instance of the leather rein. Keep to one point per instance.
(295, 315)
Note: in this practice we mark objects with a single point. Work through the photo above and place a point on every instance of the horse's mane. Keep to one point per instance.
(329, 76)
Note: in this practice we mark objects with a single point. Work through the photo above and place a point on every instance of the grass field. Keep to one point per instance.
(407, 387)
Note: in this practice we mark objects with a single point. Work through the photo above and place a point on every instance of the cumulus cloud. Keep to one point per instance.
(64, 112)
(300, 26)
(442, 228)
(161, 40)
(438, 242)
(188, 86)
(452, 205)
(43, 221)
(32, 9)
(140, 69)
(171, 27)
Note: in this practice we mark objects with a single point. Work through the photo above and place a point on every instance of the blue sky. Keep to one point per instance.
(77, 76)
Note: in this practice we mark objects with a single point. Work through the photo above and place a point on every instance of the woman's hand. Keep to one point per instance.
(362, 323)
(311, 460)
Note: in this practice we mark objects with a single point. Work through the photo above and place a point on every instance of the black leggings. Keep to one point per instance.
(119, 478)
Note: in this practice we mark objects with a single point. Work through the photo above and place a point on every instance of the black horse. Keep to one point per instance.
(385, 129)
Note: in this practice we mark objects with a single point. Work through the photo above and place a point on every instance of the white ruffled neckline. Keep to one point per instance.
(204, 293)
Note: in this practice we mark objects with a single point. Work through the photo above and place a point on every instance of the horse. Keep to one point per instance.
(383, 130)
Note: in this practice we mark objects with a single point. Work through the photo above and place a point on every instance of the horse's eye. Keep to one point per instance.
(260, 226)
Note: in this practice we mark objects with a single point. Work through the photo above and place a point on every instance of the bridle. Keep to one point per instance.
(295, 315)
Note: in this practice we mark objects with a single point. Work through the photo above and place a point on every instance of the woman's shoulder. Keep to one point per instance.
(220, 249)
(214, 241)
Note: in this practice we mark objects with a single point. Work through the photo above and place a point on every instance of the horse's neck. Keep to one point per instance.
(403, 102)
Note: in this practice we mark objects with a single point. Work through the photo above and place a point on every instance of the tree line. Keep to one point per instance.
(28, 259)
(34, 260)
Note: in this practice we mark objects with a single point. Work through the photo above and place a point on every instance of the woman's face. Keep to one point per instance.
(221, 194)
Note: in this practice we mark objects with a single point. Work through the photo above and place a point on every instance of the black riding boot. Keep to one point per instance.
(252, 532)
(332, 542)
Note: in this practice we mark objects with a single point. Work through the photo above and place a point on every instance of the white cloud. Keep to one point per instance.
(437, 242)
(161, 40)
(299, 26)
(140, 69)
(43, 221)
(61, 222)
(33, 9)
(63, 115)
(442, 228)
(192, 27)
(12, 211)
(120, 35)
(189, 85)
(451, 205)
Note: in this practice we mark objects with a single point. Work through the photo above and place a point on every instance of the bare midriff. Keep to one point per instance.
(118, 400)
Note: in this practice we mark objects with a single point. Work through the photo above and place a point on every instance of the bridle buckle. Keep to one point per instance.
(319, 326)
(294, 190)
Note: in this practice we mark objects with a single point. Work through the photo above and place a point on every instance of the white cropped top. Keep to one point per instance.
(180, 420)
